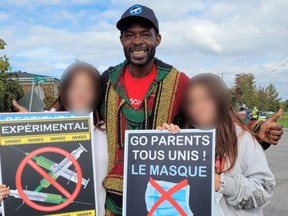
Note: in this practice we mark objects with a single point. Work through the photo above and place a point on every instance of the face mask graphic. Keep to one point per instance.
(156, 190)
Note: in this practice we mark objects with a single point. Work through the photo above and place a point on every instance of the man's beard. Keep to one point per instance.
(150, 56)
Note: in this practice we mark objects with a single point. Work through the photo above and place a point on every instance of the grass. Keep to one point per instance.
(283, 120)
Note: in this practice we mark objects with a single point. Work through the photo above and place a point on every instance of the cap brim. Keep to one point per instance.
(128, 20)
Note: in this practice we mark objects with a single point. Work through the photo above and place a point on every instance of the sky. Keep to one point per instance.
(222, 37)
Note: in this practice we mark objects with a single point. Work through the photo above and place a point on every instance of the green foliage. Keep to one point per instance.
(2, 44)
(49, 98)
(284, 105)
(4, 64)
(261, 98)
(246, 93)
(9, 88)
(273, 101)
(244, 90)
(4, 61)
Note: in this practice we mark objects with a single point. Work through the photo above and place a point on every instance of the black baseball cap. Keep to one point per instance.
(137, 12)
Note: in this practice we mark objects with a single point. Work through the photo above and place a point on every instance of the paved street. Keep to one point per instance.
(278, 160)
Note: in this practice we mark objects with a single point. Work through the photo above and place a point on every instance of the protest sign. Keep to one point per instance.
(167, 174)
(35, 115)
(48, 163)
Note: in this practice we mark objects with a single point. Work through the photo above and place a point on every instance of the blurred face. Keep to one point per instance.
(201, 107)
(139, 43)
(80, 93)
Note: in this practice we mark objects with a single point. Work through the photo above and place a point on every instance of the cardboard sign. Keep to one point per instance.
(167, 174)
(48, 163)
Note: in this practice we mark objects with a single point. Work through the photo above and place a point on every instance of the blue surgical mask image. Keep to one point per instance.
(181, 196)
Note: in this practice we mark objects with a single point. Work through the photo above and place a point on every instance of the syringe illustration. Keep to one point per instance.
(39, 196)
(56, 170)
(43, 197)
(60, 169)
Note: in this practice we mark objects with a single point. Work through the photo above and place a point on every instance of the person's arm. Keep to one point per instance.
(268, 132)
(255, 126)
(19, 107)
(253, 187)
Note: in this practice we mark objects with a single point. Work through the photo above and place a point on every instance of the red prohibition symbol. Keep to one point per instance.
(167, 195)
(70, 197)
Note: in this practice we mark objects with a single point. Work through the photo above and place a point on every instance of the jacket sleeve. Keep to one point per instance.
(253, 187)
(179, 118)
(255, 126)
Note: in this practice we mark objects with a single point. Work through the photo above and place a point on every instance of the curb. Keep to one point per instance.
(285, 129)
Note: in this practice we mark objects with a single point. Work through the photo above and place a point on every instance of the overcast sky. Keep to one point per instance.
(229, 37)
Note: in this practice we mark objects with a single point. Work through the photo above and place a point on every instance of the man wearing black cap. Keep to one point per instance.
(142, 93)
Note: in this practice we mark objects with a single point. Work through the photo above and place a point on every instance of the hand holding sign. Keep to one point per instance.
(4, 191)
(170, 127)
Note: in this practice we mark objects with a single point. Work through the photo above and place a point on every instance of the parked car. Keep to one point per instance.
(262, 115)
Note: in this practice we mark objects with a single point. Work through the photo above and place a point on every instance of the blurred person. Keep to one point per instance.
(243, 181)
(242, 113)
(143, 92)
(255, 113)
(80, 93)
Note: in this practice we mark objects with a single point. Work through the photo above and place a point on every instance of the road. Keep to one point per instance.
(277, 157)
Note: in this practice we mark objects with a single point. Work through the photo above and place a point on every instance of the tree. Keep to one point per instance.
(9, 88)
(261, 98)
(284, 105)
(273, 102)
(246, 93)
(4, 61)
(244, 90)
(49, 98)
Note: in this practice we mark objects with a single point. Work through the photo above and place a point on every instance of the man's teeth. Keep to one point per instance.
(139, 51)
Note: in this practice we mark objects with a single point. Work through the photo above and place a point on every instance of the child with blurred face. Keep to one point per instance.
(80, 89)
(80, 93)
(243, 180)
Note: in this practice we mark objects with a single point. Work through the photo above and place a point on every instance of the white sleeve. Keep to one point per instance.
(254, 187)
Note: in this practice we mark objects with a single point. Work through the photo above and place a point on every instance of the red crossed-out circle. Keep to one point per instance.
(167, 195)
(27, 160)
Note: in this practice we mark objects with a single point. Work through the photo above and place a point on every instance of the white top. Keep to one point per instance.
(250, 184)
(101, 159)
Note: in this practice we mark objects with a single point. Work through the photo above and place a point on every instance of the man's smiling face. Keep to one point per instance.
(139, 42)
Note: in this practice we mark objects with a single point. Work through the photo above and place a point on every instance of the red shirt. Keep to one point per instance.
(138, 87)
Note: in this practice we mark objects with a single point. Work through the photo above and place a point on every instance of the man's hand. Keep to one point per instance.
(19, 107)
(271, 131)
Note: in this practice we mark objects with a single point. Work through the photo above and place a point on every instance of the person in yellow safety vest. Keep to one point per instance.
(255, 113)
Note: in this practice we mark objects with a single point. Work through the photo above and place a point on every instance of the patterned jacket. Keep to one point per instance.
(161, 104)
